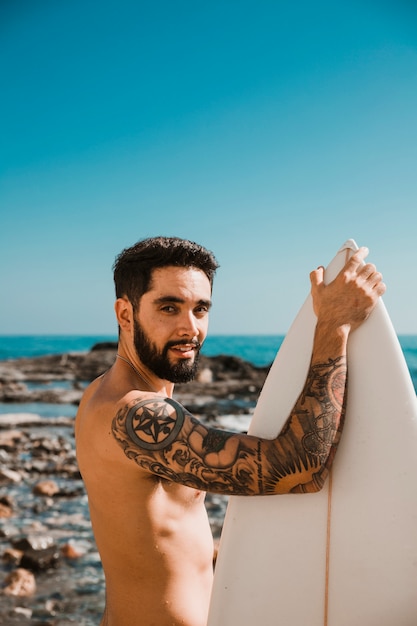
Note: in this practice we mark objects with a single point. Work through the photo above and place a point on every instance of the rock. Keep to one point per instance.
(5, 510)
(13, 556)
(41, 560)
(46, 488)
(105, 345)
(7, 500)
(33, 542)
(9, 373)
(22, 612)
(40, 553)
(20, 583)
(19, 419)
(217, 376)
(10, 439)
(9, 476)
(7, 531)
(11, 391)
(205, 375)
(74, 550)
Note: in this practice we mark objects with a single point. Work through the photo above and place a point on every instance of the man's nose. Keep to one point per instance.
(188, 325)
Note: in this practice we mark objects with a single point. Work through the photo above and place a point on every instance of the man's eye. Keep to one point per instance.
(168, 308)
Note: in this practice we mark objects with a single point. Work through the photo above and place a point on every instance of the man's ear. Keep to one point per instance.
(124, 314)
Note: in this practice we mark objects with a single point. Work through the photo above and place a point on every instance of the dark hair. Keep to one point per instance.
(133, 267)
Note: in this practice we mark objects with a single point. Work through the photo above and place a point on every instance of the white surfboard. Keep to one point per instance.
(346, 556)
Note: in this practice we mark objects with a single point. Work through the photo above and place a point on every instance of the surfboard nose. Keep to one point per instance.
(350, 244)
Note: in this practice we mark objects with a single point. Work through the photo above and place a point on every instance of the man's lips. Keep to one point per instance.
(185, 350)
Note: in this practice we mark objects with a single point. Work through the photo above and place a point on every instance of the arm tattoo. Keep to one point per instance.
(307, 444)
(150, 425)
(164, 439)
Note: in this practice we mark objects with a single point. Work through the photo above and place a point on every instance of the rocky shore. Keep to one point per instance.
(225, 384)
(50, 572)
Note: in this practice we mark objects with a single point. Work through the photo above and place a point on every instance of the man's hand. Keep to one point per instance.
(349, 299)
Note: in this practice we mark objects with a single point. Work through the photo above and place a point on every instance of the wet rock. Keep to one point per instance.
(20, 583)
(33, 542)
(41, 560)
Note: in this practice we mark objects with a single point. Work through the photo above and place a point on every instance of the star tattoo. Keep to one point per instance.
(151, 425)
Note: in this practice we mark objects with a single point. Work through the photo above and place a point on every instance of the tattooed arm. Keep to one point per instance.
(164, 439)
(167, 441)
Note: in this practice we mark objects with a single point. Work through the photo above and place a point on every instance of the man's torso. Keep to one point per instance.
(153, 536)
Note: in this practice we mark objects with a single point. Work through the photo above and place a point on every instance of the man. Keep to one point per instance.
(147, 462)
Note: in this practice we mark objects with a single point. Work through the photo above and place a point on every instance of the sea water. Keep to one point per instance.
(257, 349)
(260, 350)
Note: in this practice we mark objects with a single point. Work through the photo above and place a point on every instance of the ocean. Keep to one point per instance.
(257, 349)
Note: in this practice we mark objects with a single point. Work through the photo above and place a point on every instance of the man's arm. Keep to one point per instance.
(167, 441)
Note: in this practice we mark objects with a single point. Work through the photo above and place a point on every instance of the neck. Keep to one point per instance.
(139, 375)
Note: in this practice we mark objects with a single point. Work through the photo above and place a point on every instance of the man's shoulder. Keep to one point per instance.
(136, 397)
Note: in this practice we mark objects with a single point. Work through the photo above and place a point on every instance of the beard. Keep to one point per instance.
(158, 361)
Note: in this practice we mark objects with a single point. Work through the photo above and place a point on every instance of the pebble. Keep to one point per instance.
(20, 583)
(23, 612)
(8, 475)
(46, 488)
(5, 510)
(74, 549)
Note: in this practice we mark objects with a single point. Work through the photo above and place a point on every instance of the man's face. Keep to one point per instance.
(172, 322)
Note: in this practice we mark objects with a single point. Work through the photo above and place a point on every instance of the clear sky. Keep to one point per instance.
(270, 131)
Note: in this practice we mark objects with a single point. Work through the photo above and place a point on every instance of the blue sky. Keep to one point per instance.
(268, 131)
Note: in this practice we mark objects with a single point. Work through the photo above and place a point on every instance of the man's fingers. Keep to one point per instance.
(356, 260)
(317, 277)
(374, 278)
(378, 284)
(368, 270)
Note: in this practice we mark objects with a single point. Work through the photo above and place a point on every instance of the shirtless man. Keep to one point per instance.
(147, 462)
